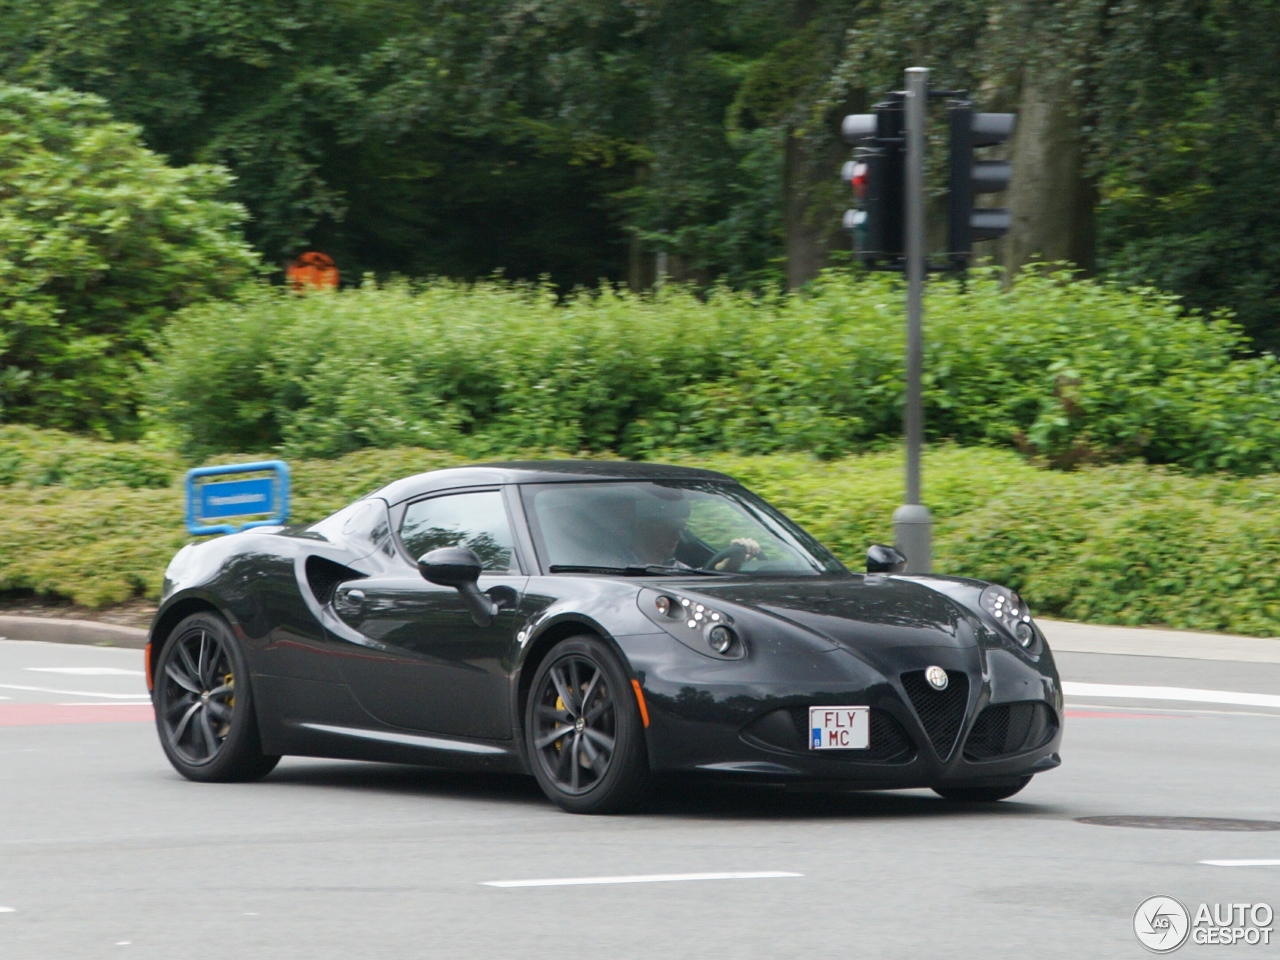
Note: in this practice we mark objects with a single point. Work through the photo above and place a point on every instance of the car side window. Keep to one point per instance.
(477, 521)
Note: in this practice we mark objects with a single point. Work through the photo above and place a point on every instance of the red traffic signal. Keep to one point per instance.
(855, 174)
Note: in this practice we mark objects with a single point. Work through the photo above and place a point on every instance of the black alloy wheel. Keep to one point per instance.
(583, 730)
(204, 708)
(986, 793)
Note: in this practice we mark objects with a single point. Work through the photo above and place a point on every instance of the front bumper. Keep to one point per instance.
(748, 719)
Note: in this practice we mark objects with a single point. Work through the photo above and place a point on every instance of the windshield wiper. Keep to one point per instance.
(649, 570)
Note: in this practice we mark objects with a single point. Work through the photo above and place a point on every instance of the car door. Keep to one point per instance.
(427, 665)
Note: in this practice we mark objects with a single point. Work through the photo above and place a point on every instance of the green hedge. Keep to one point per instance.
(1069, 370)
(1119, 544)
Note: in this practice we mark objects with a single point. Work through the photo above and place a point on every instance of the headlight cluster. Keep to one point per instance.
(697, 618)
(1008, 610)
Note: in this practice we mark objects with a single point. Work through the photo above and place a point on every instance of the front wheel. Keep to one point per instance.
(987, 793)
(583, 731)
(204, 704)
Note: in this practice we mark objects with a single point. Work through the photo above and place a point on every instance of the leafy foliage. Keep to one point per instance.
(576, 138)
(33, 458)
(1070, 371)
(1189, 153)
(422, 138)
(99, 242)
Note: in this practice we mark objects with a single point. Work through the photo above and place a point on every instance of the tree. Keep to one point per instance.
(1187, 153)
(100, 241)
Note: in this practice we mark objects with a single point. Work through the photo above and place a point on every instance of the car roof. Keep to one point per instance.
(539, 471)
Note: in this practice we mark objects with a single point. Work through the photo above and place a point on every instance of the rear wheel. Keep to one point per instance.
(583, 731)
(204, 704)
(986, 793)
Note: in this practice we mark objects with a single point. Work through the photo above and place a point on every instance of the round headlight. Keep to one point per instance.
(720, 638)
(1023, 633)
(663, 604)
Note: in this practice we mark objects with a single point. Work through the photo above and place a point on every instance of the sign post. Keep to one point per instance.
(912, 523)
(255, 494)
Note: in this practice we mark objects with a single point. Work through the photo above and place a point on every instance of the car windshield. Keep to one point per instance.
(666, 526)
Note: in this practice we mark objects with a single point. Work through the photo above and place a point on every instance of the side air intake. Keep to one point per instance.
(323, 577)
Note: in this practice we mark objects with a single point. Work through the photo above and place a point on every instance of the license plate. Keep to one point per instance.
(839, 728)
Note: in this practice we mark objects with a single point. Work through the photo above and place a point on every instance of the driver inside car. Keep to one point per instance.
(659, 527)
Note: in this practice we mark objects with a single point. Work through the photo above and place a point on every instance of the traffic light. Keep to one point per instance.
(854, 173)
(876, 175)
(968, 177)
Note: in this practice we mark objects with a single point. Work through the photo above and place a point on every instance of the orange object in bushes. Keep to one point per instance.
(313, 270)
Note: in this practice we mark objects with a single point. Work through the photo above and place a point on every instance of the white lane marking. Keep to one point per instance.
(644, 878)
(115, 703)
(89, 671)
(7, 910)
(1242, 863)
(1186, 694)
(78, 693)
(1178, 711)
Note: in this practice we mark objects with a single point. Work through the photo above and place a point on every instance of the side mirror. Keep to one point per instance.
(459, 568)
(884, 559)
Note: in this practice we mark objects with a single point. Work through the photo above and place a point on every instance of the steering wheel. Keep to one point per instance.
(734, 552)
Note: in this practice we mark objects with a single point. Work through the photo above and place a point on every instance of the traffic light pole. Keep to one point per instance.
(912, 524)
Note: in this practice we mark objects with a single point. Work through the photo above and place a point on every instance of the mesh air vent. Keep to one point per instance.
(940, 711)
(1005, 729)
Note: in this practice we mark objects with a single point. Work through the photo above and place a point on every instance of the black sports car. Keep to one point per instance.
(592, 624)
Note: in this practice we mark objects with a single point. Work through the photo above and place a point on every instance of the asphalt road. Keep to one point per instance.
(106, 852)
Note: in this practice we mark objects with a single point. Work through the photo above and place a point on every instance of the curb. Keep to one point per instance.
(1069, 637)
(56, 630)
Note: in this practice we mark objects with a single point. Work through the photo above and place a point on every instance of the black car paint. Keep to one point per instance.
(366, 679)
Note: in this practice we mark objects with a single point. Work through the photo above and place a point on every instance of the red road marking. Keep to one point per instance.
(40, 714)
(1121, 715)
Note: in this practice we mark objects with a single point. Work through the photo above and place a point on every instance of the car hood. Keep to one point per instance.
(858, 612)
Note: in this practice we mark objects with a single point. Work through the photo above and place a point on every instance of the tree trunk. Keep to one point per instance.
(806, 233)
(1049, 198)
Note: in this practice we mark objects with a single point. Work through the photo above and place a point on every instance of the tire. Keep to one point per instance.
(988, 793)
(204, 704)
(567, 745)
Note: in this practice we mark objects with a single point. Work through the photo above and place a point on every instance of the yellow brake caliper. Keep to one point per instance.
(559, 706)
(228, 681)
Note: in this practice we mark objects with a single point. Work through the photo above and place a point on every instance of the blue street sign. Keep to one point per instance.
(237, 498)
(256, 499)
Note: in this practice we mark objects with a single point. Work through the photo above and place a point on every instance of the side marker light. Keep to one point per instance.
(146, 659)
(644, 710)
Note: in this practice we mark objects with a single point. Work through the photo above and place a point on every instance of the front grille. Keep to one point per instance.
(940, 711)
(1004, 729)
(788, 730)
(323, 577)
